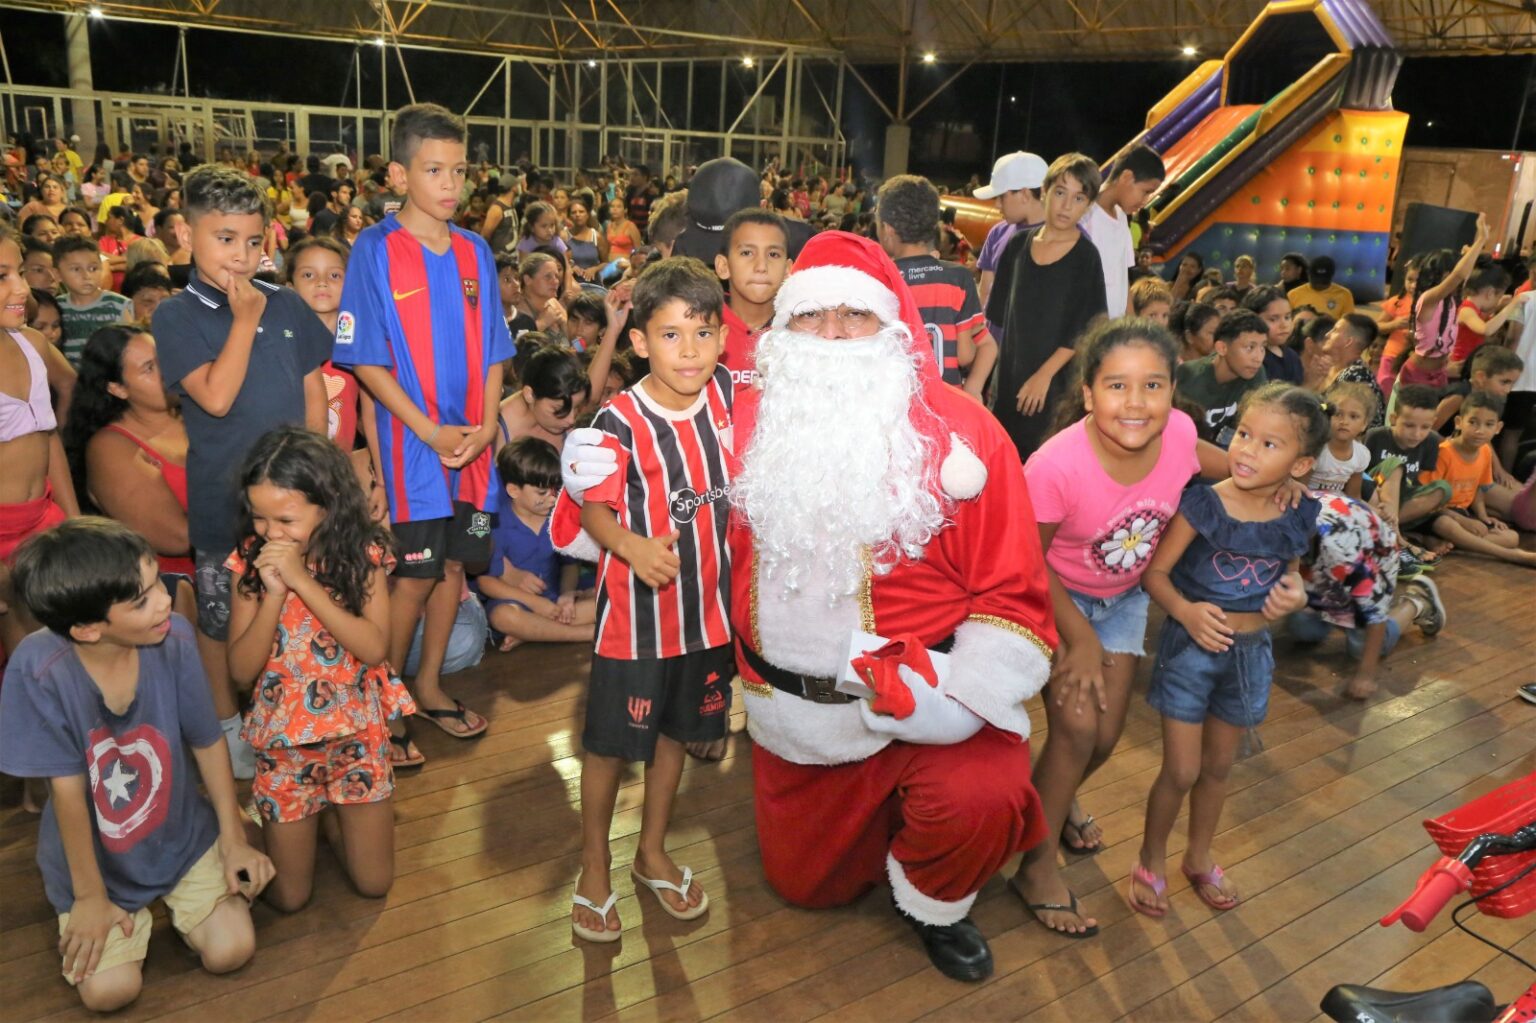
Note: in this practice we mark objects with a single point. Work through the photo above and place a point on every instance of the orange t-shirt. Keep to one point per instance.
(1465, 477)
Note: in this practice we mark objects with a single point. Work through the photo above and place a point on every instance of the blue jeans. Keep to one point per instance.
(466, 643)
(1120, 621)
(1308, 626)
(1189, 683)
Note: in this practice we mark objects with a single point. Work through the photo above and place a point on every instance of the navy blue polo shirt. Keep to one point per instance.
(190, 330)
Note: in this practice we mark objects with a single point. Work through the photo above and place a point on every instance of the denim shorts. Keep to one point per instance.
(1190, 683)
(1307, 626)
(1120, 621)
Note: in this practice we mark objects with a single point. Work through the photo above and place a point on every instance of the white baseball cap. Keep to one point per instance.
(1013, 172)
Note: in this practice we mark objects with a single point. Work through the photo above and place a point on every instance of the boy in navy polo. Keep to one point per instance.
(245, 358)
(421, 325)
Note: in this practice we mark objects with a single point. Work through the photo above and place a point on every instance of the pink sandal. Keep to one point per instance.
(1158, 884)
(1211, 878)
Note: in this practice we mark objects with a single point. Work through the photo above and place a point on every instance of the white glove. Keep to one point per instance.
(584, 462)
(936, 721)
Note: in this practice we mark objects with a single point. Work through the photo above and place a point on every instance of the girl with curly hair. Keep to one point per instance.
(309, 625)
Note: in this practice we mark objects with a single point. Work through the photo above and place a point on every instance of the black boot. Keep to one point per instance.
(956, 950)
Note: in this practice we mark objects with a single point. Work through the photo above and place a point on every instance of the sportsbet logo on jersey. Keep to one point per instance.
(687, 502)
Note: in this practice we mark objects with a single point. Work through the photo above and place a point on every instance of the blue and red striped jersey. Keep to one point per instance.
(672, 474)
(435, 321)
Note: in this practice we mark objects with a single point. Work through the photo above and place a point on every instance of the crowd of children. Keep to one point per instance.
(310, 439)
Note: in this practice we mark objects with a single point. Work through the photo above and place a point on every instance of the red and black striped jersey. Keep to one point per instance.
(946, 299)
(672, 475)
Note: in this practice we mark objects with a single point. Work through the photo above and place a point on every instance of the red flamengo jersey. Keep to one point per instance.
(672, 475)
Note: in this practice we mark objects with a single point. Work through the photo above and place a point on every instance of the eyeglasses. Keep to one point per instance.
(852, 321)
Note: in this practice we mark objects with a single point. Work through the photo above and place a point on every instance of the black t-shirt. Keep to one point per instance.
(312, 183)
(323, 222)
(1041, 307)
(1418, 461)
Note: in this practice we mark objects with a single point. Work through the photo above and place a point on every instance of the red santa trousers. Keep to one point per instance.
(951, 816)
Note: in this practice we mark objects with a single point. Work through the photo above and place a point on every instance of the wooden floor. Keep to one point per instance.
(1322, 832)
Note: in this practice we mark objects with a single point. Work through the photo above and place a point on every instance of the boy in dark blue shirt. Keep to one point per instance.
(106, 704)
(245, 357)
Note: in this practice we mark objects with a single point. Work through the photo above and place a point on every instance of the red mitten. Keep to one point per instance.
(877, 669)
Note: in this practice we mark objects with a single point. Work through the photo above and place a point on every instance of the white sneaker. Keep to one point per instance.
(242, 757)
(1432, 619)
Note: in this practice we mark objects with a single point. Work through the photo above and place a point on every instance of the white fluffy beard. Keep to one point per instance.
(835, 465)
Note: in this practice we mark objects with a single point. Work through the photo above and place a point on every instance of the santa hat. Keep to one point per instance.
(840, 269)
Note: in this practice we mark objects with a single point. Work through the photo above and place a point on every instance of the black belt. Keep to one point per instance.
(808, 687)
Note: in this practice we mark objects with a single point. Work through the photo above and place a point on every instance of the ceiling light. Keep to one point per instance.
(96, 12)
(379, 41)
(591, 63)
(1189, 51)
(929, 58)
(746, 62)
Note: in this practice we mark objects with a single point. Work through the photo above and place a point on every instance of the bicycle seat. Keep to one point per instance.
(1467, 1002)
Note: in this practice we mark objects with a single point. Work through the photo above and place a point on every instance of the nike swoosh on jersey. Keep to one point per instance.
(401, 297)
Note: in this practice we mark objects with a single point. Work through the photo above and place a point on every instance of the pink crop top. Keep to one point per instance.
(34, 414)
(1430, 339)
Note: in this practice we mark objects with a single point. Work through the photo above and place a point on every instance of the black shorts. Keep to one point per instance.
(428, 544)
(685, 698)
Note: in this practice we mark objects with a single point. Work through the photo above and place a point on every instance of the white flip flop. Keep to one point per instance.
(604, 935)
(657, 887)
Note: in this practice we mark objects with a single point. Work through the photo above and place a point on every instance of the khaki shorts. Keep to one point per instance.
(192, 901)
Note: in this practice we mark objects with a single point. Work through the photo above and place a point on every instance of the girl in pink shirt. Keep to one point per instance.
(1103, 490)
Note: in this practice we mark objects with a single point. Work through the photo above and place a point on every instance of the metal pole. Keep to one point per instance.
(10, 94)
(186, 70)
(837, 126)
(789, 103)
(1525, 95)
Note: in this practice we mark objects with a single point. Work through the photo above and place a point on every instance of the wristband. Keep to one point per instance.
(433, 435)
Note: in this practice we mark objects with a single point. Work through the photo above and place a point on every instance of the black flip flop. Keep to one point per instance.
(1036, 908)
(459, 713)
(1079, 850)
(403, 744)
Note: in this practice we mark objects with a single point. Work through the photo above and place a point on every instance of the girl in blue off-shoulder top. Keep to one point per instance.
(1225, 568)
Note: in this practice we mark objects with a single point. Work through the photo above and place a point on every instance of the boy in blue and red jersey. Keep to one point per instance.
(421, 325)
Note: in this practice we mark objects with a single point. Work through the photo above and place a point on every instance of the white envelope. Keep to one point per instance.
(848, 680)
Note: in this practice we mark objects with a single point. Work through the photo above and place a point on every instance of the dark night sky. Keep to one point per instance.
(1048, 108)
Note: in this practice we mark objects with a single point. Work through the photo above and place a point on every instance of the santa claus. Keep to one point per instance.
(869, 497)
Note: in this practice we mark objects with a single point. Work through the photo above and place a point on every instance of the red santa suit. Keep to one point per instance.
(840, 807)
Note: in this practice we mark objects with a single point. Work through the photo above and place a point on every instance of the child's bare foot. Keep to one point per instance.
(660, 867)
(1049, 900)
(712, 751)
(31, 798)
(593, 886)
(508, 643)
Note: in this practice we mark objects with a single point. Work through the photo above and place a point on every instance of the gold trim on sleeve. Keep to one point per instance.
(1016, 629)
(866, 594)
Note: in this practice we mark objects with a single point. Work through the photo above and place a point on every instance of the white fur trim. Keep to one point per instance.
(827, 287)
(582, 547)
(924, 908)
(803, 732)
(993, 671)
(961, 474)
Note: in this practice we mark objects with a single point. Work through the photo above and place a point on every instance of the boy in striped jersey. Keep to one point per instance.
(664, 658)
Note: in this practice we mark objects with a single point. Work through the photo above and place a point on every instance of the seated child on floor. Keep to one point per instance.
(1466, 463)
(529, 589)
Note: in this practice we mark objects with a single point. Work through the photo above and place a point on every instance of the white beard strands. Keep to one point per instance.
(835, 465)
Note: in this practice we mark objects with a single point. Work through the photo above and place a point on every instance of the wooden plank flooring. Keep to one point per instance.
(1322, 832)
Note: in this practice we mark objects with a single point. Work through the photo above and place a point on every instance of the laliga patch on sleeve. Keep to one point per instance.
(346, 328)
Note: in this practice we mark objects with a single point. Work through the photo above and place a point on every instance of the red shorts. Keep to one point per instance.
(296, 782)
(20, 521)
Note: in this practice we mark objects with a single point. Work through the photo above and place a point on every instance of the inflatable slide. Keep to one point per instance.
(1287, 144)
